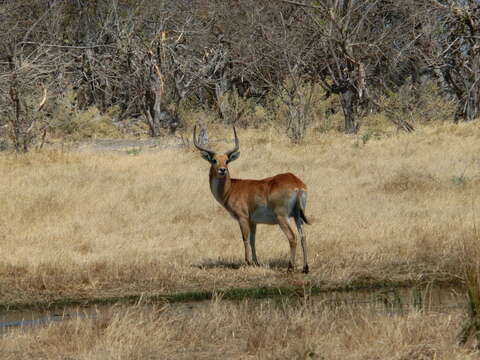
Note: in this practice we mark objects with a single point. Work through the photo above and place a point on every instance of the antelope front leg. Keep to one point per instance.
(253, 230)
(245, 228)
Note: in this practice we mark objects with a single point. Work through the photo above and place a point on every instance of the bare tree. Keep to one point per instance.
(149, 57)
(287, 53)
(124, 59)
(357, 44)
(28, 66)
(454, 51)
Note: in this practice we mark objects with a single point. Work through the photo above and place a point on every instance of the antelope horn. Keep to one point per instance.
(197, 145)
(237, 144)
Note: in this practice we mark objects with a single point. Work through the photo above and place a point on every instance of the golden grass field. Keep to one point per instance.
(98, 224)
(90, 225)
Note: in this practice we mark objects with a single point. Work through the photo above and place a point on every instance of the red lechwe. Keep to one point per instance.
(269, 201)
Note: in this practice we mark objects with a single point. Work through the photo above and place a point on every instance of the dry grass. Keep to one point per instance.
(224, 330)
(85, 224)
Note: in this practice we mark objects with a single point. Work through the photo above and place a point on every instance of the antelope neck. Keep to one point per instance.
(220, 187)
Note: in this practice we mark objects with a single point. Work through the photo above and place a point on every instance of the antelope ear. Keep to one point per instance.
(207, 156)
(233, 156)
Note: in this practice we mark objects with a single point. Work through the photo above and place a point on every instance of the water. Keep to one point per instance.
(27, 318)
(399, 300)
(395, 301)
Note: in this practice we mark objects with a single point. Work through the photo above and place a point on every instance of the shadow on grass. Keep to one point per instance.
(262, 292)
(219, 264)
(276, 264)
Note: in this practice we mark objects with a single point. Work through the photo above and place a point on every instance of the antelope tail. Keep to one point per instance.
(300, 207)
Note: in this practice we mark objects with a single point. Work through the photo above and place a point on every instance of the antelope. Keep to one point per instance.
(272, 201)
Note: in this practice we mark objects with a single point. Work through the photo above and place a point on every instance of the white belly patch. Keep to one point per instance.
(263, 215)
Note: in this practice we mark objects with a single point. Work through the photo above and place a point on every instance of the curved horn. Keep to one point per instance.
(237, 144)
(198, 146)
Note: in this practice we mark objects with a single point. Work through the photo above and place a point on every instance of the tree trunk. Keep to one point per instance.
(221, 93)
(156, 109)
(153, 104)
(469, 108)
(472, 106)
(348, 99)
(471, 111)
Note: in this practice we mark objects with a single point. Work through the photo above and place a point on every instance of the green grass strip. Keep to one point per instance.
(235, 294)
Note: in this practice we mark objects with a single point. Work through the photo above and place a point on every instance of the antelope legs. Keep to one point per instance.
(253, 231)
(249, 231)
(292, 240)
(248, 234)
(303, 239)
(245, 227)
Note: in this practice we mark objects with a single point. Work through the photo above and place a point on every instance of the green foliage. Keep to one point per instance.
(371, 134)
(134, 151)
(459, 180)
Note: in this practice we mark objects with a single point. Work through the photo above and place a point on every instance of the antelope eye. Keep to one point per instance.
(214, 161)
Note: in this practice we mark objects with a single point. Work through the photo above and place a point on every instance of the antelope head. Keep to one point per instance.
(219, 162)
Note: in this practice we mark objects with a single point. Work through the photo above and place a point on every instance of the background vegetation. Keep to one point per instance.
(332, 63)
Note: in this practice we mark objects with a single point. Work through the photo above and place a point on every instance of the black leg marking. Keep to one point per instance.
(306, 269)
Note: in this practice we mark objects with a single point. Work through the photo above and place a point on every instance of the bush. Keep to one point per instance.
(419, 103)
(77, 125)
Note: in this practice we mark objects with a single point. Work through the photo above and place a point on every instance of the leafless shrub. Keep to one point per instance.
(453, 53)
(150, 59)
(28, 67)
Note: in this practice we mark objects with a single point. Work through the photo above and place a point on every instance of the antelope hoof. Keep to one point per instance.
(305, 269)
(290, 267)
